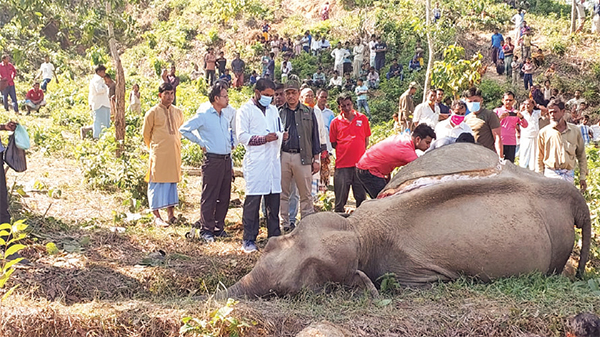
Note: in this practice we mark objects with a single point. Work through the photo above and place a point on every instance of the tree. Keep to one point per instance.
(119, 104)
(573, 14)
(455, 73)
(429, 47)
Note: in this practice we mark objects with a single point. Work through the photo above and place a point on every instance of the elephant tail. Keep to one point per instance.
(583, 222)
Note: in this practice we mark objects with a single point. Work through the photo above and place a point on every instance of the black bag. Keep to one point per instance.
(15, 157)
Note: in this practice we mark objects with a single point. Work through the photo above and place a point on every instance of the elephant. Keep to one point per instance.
(457, 210)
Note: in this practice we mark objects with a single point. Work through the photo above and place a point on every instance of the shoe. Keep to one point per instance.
(158, 222)
(249, 247)
(192, 234)
(222, 234)
(208, 237)
(289, 228)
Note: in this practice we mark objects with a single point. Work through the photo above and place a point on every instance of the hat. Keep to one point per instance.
(291, 85)
(413, 85)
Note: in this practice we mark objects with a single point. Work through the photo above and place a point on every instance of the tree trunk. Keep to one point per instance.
(118, 105)
(431, 51)
(573, 15)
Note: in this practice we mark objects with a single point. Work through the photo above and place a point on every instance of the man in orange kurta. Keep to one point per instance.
(161, 135)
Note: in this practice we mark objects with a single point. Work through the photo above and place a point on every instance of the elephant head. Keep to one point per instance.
(323, 248)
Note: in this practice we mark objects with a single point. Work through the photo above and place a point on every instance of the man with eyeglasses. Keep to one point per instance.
(214, 127)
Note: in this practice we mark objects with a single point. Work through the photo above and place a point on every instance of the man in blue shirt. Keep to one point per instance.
(213, 123)
(497, 40)
(361, 98)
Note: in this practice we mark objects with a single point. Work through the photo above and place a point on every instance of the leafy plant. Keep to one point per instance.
(389, 283)
(10, 235)
(220, 323)
(455, 73)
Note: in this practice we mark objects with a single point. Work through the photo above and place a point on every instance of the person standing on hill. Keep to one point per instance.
(528, 69)
(508, 49)
(484, 123)
(99, 101)
(349, 135)
(580, 9)
(221, 63)
(518, 20)
(338, 54)
(7, 84)
(173, 80)
(359, 55)
(596, 19)
(528, 145)
(496, 45)
(362, 92)
(325, 11)
(215, 130)
(238, 66)
(162, 137)
(210, 64)
(380, 51)
(47, 72)
(406, 106)
(372, 53)
(135, 104)
(560, 145)
(510, 120)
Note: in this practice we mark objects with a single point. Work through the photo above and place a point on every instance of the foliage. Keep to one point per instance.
(389, 283)
(220, 323)
(492, 92)
(10, 235)
(455, 73)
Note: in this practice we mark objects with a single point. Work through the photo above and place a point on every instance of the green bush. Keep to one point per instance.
(492, 93)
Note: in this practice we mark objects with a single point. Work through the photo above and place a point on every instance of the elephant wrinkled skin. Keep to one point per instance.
(454, 211)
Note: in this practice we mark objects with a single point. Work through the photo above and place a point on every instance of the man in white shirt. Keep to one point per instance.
(575, 101)
(338, 55)
(358, 51)
(47, 72)
(315, 45)
(454, 126)
(335, 81)
(324, 44)
(372, 52)
(99, 101)
(528, 146)
(427, 112)
(518, 19)
(580, 14)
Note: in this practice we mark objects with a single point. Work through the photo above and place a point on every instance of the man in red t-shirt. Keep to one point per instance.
(7, 83)
(349, 134)
(35, 98)
(376, 165)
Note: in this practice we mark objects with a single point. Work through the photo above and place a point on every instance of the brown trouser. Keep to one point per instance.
(292, 168)
(216, 192)
(238, 80)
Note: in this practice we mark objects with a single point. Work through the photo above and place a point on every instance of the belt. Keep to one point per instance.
(218, 156)
(291, 151)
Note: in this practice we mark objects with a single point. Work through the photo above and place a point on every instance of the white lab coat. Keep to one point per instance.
(262, 163)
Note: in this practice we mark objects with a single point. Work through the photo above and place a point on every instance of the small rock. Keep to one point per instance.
(323, 329)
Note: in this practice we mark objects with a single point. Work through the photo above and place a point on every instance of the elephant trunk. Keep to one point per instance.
(248, 286)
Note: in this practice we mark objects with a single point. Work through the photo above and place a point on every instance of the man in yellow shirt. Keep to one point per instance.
(560, 144)
(161, 135)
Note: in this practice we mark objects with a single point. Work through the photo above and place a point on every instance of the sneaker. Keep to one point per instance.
(208, 237)
(249, 246)
(222, 234)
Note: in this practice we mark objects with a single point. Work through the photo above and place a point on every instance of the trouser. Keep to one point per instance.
(528, 81)
(356, 67)
(515, 76)
(10, 91)
(347, 67)
(509, 152)
(101, 121)
(4, 214)
(210, 74)
(372, 60)
(379, 63)
(372, 183)
(292, 169)
(362, 103)
(526, 52)
(294, 202)
(564, 174)
(238, 80)
(507, 65)
(528, 153)
(250, 218)
(494, 54)
(343, 178)
(216, 192)
(339, 68)
(44, 84)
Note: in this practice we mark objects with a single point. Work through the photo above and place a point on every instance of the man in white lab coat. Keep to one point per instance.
(259, 129)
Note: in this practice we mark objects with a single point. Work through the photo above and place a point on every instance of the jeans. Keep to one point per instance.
(101, 121)
(343, 179)
(372, 183)
(210, 74)
(507, 65)
(10, 91)
(362, 103)
(44, 84)
(250, 218)
(528, 81)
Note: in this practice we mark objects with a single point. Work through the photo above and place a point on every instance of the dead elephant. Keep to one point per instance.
(455, 211)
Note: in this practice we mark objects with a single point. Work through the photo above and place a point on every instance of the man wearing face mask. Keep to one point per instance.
(300, 152)
(259, 129)
(560, 144)
(484, 123)
(375, 166)
(455, 125)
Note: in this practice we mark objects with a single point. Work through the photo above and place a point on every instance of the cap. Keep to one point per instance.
(291, 85)
(413, 85)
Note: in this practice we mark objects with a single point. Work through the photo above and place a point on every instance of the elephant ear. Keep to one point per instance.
(362, 281)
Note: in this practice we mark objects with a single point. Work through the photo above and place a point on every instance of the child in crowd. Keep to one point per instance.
(286, 68)
(135, 105)
(527, 73)
(516, 69)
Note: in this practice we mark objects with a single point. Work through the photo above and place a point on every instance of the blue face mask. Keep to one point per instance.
(265, 100)
(474, 106)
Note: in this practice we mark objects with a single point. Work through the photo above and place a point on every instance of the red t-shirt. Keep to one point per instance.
(8, 71)
(382, 158)
(350, 138)
(35, 95)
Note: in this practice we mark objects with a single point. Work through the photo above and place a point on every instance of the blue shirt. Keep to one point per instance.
(362, 88)
(497, 39)
(213, 129)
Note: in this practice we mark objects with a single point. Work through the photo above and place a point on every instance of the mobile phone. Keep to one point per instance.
(512, 113)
